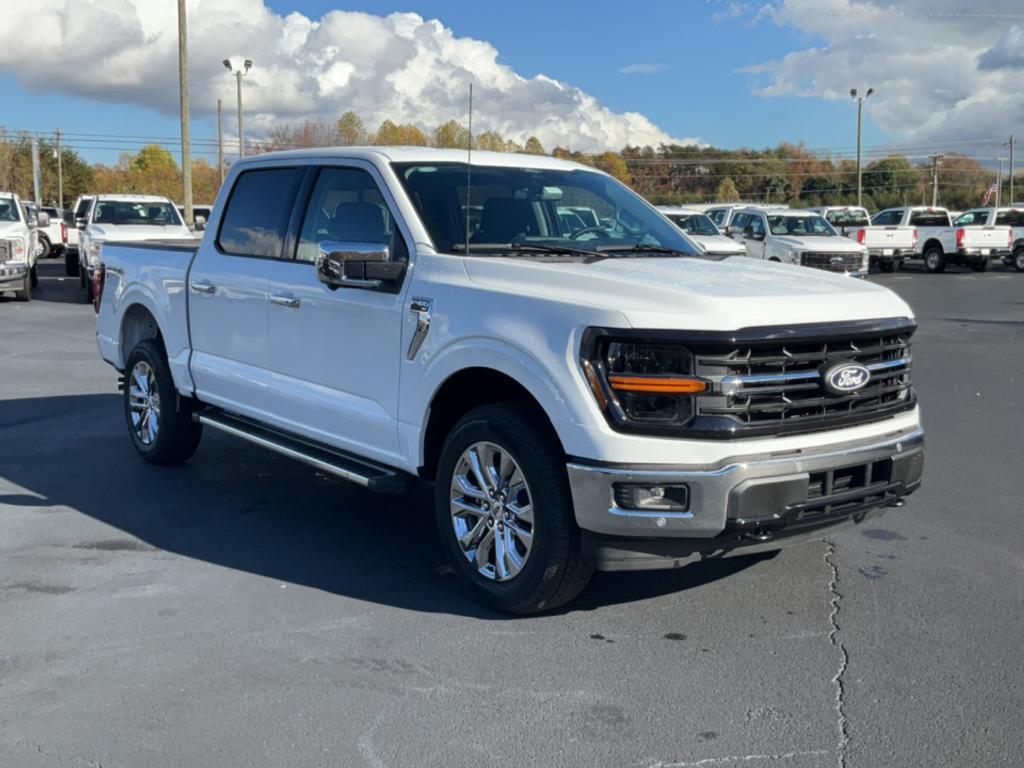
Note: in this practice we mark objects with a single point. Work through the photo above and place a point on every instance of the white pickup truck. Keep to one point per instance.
(19, 246)
(121, 218)
(605, 399)
(797, 237)
(699, 228)
(941, 244)
(888, 244)
(1000, 217)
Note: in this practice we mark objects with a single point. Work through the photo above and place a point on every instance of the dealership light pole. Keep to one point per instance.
(220, 141)
(238, 73)
(186, 138)
(860, 114)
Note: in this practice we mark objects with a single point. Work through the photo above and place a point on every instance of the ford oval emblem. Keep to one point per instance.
(846, 378)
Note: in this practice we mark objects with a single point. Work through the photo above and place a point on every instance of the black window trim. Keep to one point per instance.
(304, 171)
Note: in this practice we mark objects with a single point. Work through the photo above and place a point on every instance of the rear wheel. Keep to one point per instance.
(1018, 260)
(70, 264)
(159, 419)
(505, 514)
(887, 265)
(87, 286)
(980, 266)
(934, 260)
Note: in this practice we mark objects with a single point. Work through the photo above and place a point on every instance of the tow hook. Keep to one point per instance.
(900, 501)
(759, 536)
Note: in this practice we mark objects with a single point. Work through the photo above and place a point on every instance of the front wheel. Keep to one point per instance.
(934, 260)
(1018, 260)
(159, 419)
(980, 266)
(887, 265)
(25, 292)
(505, 513)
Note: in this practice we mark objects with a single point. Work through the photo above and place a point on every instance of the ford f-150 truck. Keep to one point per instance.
(609, 398)
(125, 218)
(699, 228)
(888, 244)
(797, 237)
(1000, 217)
(941, 244)
(19, 246)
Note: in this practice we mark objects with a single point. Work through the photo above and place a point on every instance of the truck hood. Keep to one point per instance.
(718, 244)
(12, 229)
(693, 293)
(137, 232)
(829, 244)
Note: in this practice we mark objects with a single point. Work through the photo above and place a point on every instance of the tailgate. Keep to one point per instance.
(889, 237)
(987, 237)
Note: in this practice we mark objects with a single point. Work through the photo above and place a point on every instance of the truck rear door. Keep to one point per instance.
(227, 290)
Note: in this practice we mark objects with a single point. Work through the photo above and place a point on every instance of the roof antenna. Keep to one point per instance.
(469, 164)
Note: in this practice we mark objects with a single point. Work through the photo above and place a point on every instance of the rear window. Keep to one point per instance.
(257, 213)
(929, 218)
(1010, 218)
(848, 217)
(972, 219)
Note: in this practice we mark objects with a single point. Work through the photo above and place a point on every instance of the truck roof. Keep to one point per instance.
(133, 198)
(781, 211)
(423, 154)
(681, 209)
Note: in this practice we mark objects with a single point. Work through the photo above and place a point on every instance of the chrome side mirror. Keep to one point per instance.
(42, 219)
(200, 223)
(356, 265)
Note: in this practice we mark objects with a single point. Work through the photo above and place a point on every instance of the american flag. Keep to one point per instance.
(988, 193)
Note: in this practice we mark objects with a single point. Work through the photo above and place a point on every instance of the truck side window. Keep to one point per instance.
(757, 226)
(1010, 219)
(347, 207)
(257, 213)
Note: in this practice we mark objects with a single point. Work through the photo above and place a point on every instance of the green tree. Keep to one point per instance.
(451, 135)
(534, 147)
(408, 135)
(491, 141)
(351, 130)
(726, 191)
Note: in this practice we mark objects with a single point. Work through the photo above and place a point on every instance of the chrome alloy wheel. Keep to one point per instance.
(144, 402)
(932, 260)
(492, 511)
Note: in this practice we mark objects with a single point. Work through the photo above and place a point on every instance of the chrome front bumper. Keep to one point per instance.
(754, 496)
(12, 276)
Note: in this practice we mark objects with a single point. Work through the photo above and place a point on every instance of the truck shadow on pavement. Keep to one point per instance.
(240, 507)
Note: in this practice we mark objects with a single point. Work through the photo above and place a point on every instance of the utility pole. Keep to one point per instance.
(860, 116)
(999, 183)
(35, 171)
(935, 179)
(238, 81)
(220, 140)
(186, 138)
(60, 173)
(1012, 142)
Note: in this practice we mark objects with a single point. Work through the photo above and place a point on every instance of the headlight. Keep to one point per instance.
(795, 254)
(94, 248)
(18, 248)
(640, 381)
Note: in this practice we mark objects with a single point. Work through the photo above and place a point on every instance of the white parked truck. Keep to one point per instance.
(19, 246)
(80, 217)
(607, 399)
(699, 228)
(940, 244)
(1000, 217)
(120, 218)
(797, 237)
(53, 238)
(888, 244)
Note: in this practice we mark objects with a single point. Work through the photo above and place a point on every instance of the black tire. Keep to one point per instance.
(176, 434)
(554, 571)
(934, 260)
(887, 265)
(70, 264)
(25, 292)
(47, 248)
(87, 285)
(1018, 260)
(33, 275)
(980, 266)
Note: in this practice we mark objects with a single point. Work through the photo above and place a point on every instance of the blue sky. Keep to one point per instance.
(699, 92)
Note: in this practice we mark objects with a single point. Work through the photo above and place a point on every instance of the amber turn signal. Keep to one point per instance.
(657, 385)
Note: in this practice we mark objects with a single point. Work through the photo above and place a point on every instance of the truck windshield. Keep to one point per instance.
(801, 226)
(852, 217)
(125, 212)
(694, 224)
(8, 209)
(535, 210)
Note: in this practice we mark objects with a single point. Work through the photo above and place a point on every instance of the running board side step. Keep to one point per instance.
(368, 474)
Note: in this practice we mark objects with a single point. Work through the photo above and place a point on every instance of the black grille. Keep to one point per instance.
(833, 262)
(778, 387)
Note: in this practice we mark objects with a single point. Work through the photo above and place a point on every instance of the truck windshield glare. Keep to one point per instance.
(553, 208)
(131, 213)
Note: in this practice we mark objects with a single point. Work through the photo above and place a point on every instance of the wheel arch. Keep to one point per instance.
(460, 393)
(138, 323)
(929, 243)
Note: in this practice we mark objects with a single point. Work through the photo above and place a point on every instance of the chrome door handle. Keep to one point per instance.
(202, 288)
(285, 301)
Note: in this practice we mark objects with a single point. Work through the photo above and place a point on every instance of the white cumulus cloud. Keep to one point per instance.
(399, 67)
(943, 70)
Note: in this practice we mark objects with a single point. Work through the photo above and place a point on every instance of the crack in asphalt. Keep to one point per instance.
(741, 759)
(839, 679)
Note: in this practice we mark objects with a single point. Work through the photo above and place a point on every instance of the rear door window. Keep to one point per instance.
(256, 218)
(1010, 218)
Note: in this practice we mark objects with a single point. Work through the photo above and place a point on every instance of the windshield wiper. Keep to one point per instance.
(642, 248)
(517, 247)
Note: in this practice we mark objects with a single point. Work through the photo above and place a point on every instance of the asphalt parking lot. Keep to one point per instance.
(243, 610)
